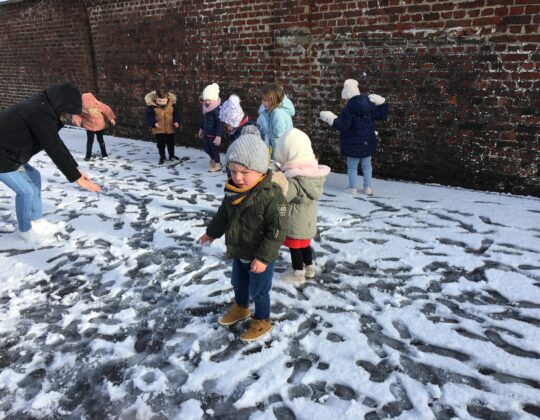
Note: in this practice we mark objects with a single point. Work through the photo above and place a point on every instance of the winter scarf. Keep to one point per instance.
(237, 195)
(211, 107)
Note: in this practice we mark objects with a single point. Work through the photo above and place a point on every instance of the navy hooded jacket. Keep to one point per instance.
(355, 124)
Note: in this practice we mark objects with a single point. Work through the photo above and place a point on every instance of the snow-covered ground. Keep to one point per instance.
(427, 304)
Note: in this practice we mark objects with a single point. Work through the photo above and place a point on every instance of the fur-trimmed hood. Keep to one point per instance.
(310, 169)
(150, 98)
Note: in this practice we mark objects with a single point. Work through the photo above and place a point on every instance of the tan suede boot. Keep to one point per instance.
(235, 314)
(258, 328)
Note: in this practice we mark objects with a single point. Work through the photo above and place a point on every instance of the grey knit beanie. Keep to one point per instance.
(249, 150)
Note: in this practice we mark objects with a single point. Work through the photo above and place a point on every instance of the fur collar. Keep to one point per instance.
(150, 98)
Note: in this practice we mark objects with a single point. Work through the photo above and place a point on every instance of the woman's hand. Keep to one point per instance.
(88, 185)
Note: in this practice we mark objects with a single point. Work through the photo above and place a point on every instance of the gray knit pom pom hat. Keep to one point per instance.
(249, 150)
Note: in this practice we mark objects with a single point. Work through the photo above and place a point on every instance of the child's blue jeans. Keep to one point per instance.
(252, 285)
(27, 187)
(352, 170)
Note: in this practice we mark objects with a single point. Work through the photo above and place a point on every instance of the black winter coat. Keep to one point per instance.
(32, 125)
(212, 125)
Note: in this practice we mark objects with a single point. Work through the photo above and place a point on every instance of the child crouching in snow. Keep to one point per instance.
(306, 178)
(253, 217)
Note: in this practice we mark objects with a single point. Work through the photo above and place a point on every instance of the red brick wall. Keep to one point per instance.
(462, 77)
(41, 43)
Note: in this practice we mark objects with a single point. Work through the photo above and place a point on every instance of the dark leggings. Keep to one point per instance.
(162, 140)
(90, 142)
(211, 149)
(301, 256)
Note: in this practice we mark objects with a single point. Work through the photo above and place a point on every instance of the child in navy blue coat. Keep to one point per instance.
(358, 139)
(211, 128)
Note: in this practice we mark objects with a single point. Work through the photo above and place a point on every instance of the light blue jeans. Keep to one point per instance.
(27, 187)
(352, 170)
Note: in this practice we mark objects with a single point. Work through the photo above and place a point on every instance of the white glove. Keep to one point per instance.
(328, 117)
(376, 99)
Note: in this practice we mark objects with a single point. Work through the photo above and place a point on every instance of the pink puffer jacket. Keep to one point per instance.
(93, 112)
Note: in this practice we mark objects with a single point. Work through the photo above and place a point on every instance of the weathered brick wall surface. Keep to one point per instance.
(41, 43)
(462, 77)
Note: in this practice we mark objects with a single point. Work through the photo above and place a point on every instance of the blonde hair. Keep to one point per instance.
(273, 93)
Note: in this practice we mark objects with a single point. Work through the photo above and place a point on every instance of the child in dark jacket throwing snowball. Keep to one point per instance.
(358, 137)
(253, 217)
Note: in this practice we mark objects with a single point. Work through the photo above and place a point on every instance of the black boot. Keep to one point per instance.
(103, 150)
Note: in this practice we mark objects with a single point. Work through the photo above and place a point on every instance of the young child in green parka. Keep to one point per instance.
(253, 217)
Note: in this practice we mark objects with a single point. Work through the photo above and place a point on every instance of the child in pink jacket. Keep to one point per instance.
(92, 118)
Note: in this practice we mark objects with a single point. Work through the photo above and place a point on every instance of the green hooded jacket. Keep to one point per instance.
(256, 227)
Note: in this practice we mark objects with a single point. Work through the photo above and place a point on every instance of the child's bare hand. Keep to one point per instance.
(204, 239)
(157, 125)
(201, 133)
(217, 141)
(113, 122)
(257, 266)
(176, 125)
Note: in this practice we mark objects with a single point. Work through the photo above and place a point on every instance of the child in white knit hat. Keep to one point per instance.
(232, 115)
(211, 128)
(358, 139)
(306, 178)
(253, 217)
